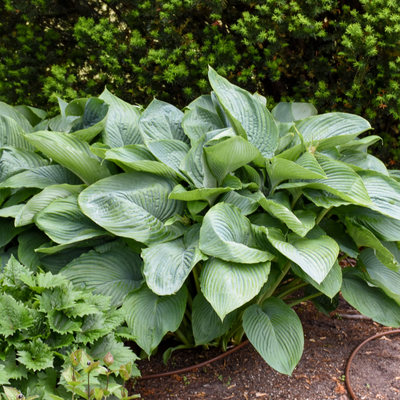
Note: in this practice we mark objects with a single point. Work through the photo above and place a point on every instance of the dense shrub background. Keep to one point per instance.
(341, 55)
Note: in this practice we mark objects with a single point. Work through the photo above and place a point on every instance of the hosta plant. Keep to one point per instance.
(208, 224)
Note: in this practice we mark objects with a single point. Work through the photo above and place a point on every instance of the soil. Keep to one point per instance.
(329, 341)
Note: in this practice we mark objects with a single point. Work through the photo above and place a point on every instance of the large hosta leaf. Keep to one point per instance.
(32, 114)
(228, 285)
(245, 200)
(161, 120)
(384, 193)
(290, 112)
(229, 235)
(13, 161)
(167, 265)
(275, 331)
(42, 177)
(249, 115)
(150, 317)
(121, 205)
(278, 205)
(13, 113)
(28, 242)
(8, 231)
(114, 273)
(315, 256)
(122, 127)
(370, 301)
(64, 222)
(11, 134)
(360, 160)
(207, 325)
(43, 199)
(210, 195)
(70, 152)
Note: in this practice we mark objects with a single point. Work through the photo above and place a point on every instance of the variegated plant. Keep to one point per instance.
(232, 208)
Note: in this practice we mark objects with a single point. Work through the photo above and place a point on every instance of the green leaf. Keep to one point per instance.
(161, 120)
(229, 155)
(3, 376)
(209, 195)
(28, 242)
(11, 134)
(42, 177)
(360, 144)
(122, 126)
(43, 199)
(12, 211)
(363, 237)
(330, 285)
(14, 316)
(120, 205)
(360, 160)
(37, 356)
(113, 273)
(70, 152)
(290, 112)
(60, 323)
(167, 265)
(370, 301)
(275, 331)
(229, 285)
(13, 113)
(13, 273)
(8, 231)
(207, 325)
(322, 198)
(229, 235)
(245, 200)
(315, 256)
(32, 114)
(150, 316)
(203, 101)
(11, 367)
(278, 205)
(247, 115)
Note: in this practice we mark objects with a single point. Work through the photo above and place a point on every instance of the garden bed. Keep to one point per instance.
(319, 375)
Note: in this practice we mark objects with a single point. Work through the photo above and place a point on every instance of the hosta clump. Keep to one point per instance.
(43, 316)
(202, 224)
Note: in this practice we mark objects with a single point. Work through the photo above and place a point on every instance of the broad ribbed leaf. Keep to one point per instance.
(42, 177)
(28, 242)
(11, 134)
(254, 118)
(384, 193)
(150, 317)
(11, 211)
(138, 158)
(169, 152)
(70, 152)
(324, 199)
(32, 114)
(229, 285)
(363, 237)
(370, 301)
(122, 126)
(229, 155)
(205, 322)
(278, 205)
(56, 262)
(43, 199)
(361, 144)
(275, 331)
(315, 256)
(8, 231)
(210, 195)
(360, 160)
(245, 200)
(161, 120)
(229, 235)
(290, 112)
(204, 101)
(64, 222)
(114, 273)
(330, 286)
(198, 121)
(330, 126)
(13, 161)
(15, 115)
(379, 275)
(121, 205)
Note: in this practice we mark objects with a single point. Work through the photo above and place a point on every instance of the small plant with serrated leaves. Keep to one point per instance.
(42, 316)
(14, 394)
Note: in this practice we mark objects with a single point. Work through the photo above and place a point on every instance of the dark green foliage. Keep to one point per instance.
(341, 55)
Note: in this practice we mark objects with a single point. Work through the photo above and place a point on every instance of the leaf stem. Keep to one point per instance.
(291, 290)
(322, 215)
(311, 296)
(181, 337)
(196, 274)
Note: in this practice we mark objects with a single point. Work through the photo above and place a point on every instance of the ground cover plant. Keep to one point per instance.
(201, 224)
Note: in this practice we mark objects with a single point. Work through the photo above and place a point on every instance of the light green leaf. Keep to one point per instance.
(322, 198)
(11, 134)
(245, 200)
(229, 285)
(64, 222)
(113, 273)
(43, 199)
(315, 256)
(32, 114)
(37, 356)
(203, 101)
(249, 115)
(161, 120)
(276, 332)
(360, 160)
(360, 144)
(150, 316)
(13, 113)
(12, 211)
(209, 195)
(206, 323)
(290, 112)
(70, 152)
(120, 205)
(14, 316)
(122, 126)
(370, 301)
(229, 235)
